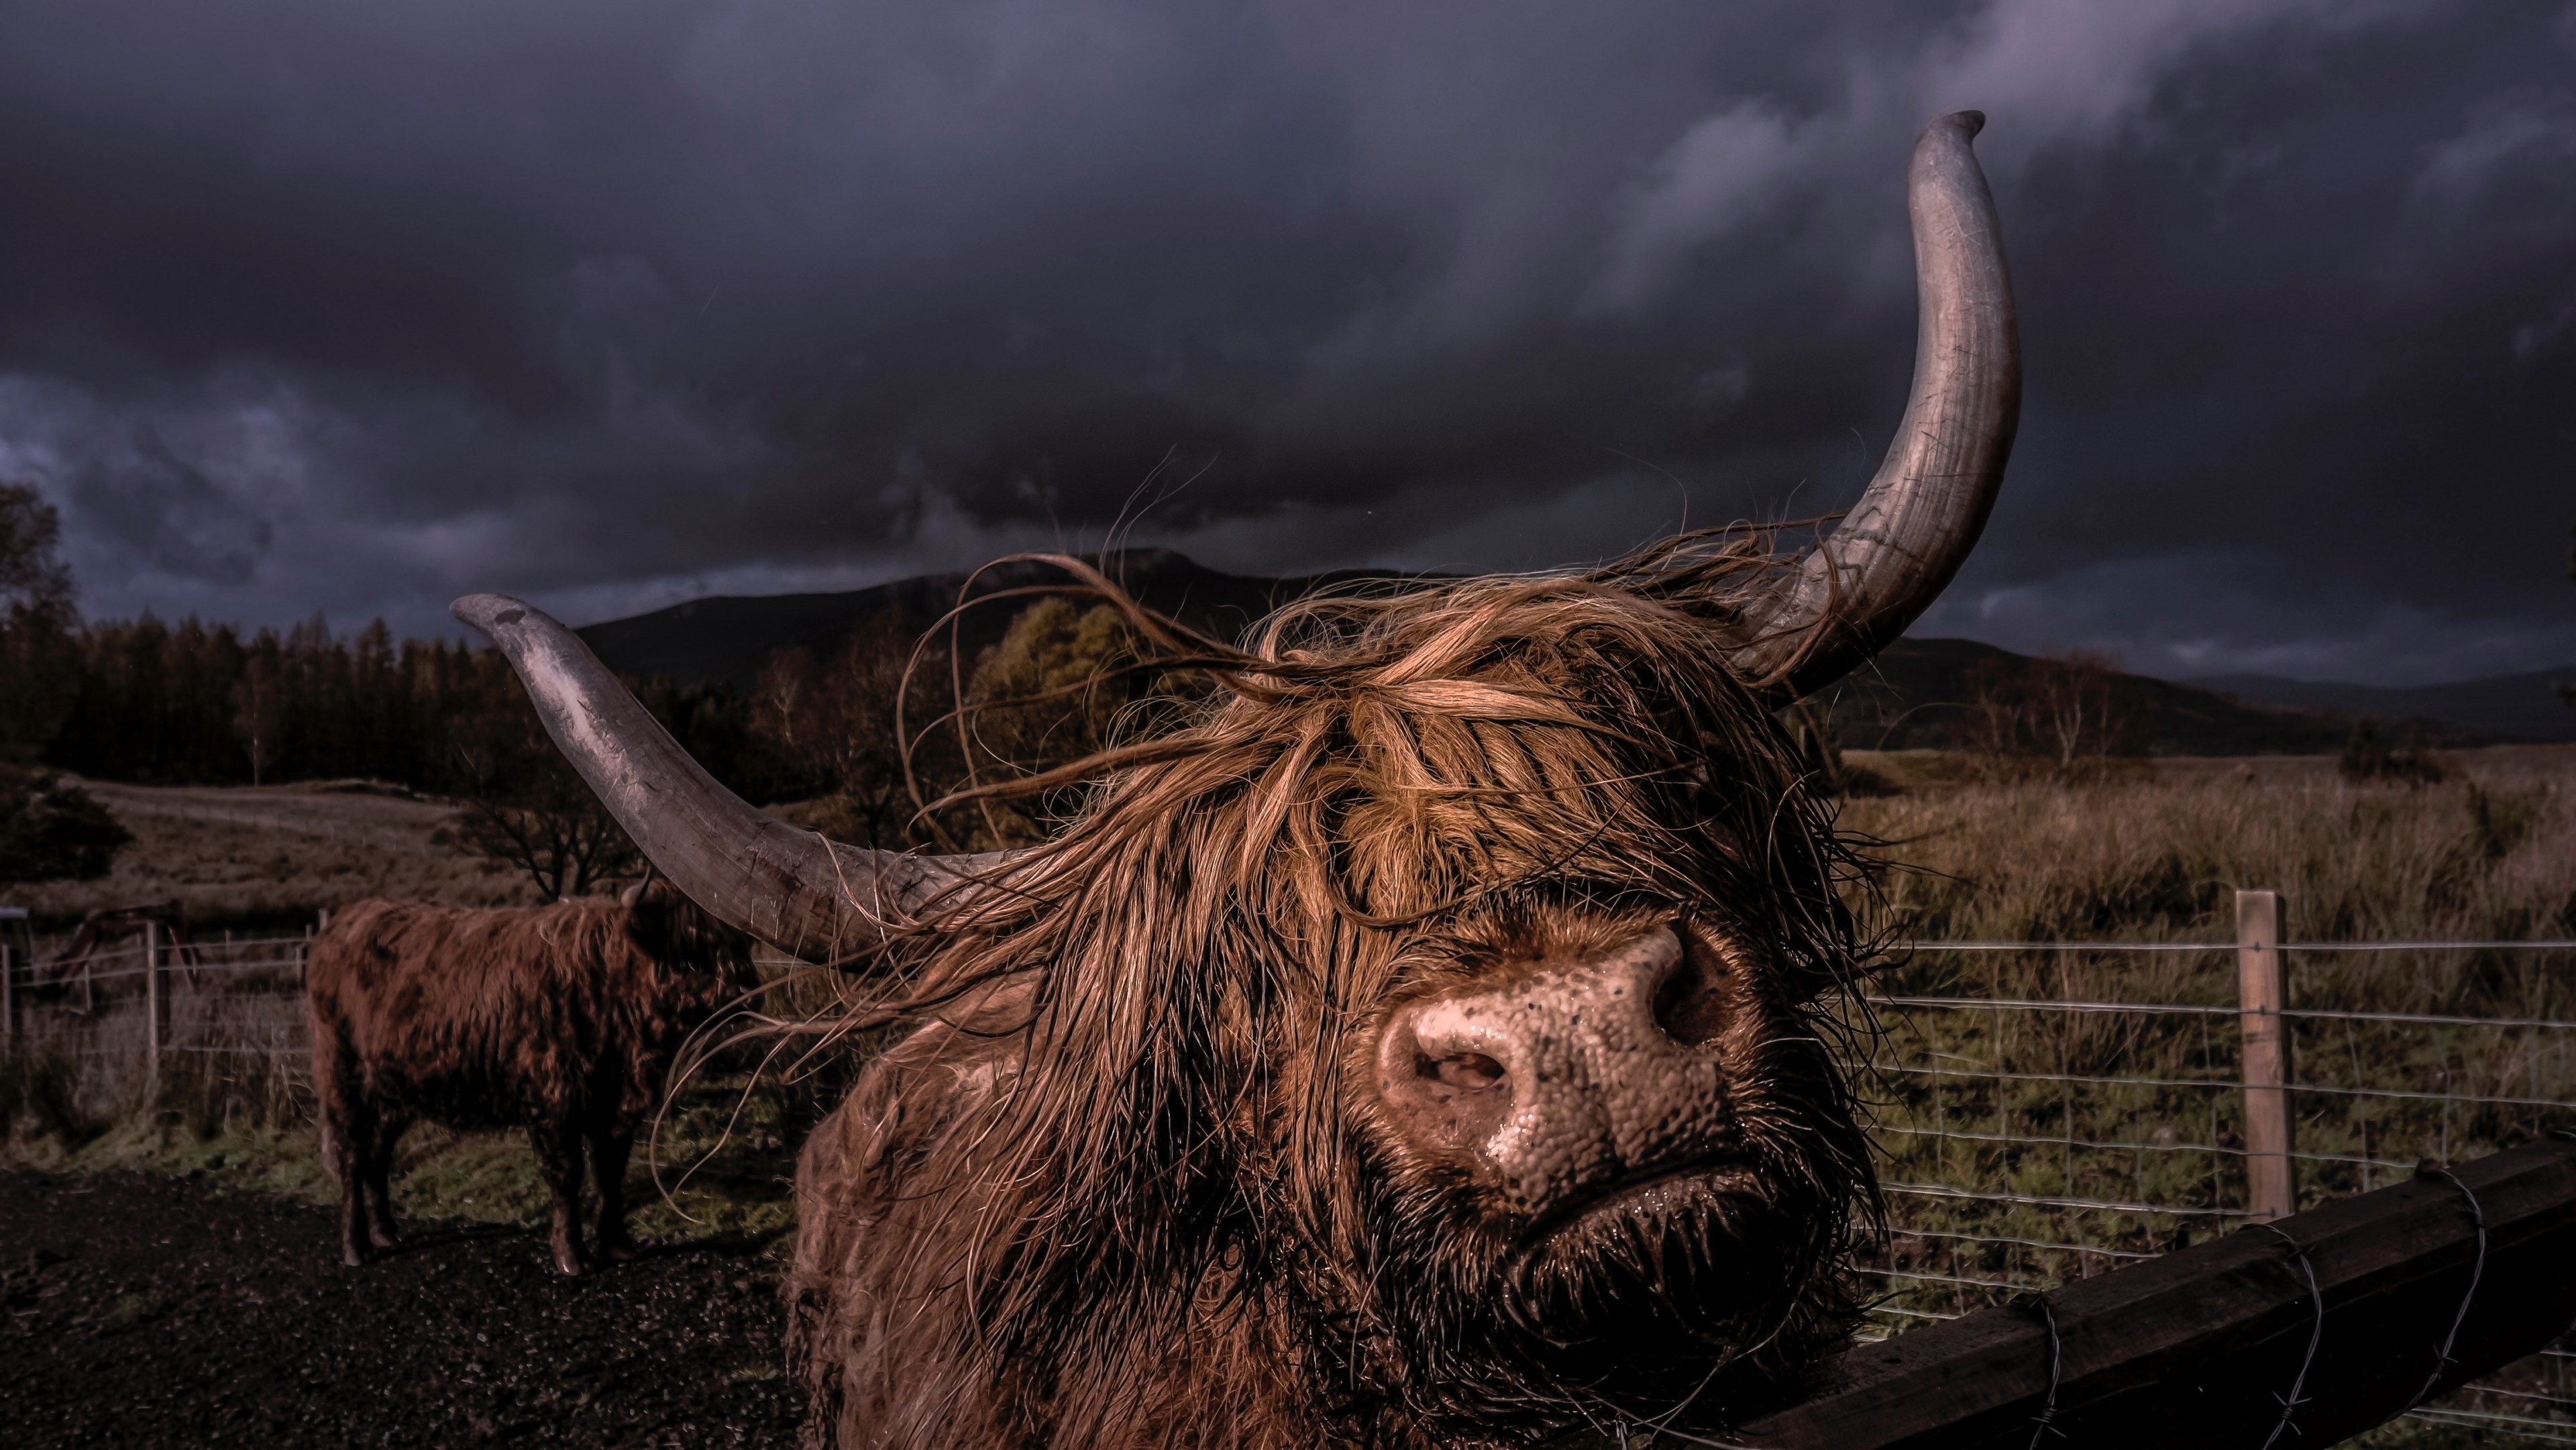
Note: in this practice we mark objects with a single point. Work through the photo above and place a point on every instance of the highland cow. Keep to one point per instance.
(563, 1019)
(1434, 1041)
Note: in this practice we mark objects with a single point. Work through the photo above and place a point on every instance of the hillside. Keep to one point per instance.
(2525, 706)
(724, 640)
(1913, 697)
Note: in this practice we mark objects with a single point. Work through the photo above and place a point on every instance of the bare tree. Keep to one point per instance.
(778, 698)
(2071, 710)
(833, 719)
(1994, 725)
(2074, 705)
(525, 806)
(259, 705)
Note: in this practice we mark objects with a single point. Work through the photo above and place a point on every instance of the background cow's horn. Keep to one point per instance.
(791, 888)
(1899, 546)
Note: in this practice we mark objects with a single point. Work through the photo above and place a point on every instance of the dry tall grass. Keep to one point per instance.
(2490, 854)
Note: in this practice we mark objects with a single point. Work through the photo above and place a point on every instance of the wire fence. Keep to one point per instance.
(116, 1018)
(278, 958)
(213, 1023)
(2048, 1111)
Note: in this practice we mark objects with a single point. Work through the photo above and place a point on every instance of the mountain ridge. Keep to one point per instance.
(2525, 706)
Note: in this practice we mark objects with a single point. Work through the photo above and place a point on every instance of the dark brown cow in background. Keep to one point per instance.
(561, 1018)
(1428, 1044)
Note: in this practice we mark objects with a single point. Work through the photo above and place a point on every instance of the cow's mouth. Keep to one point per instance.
(1660, 1196)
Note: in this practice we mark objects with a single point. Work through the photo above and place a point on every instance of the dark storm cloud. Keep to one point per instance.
(358, 306)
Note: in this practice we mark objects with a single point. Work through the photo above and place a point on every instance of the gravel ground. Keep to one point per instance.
(142, 1311)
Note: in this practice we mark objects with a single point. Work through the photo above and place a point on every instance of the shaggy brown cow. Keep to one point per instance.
(562, 1018)
(1430, 1044)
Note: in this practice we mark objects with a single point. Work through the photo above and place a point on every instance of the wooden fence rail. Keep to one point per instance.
(2298, 1332)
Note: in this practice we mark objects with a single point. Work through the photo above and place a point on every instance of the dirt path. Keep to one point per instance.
(140, 1311)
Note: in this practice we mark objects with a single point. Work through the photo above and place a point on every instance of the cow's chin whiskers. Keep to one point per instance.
(1701, 1289)
(1679, 1250)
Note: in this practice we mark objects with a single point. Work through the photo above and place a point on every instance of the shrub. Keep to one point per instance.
(2376, 753)
(50, 831)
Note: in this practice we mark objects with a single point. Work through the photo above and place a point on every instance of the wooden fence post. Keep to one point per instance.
(2262, 992)
(156, 1006)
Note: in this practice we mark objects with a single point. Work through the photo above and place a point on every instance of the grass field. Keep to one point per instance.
(264, 858)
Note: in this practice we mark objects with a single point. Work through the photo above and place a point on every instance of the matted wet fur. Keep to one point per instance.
(562, 1019)
(1128, 1184)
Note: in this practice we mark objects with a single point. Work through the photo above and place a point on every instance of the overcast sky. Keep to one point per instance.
(355, 306)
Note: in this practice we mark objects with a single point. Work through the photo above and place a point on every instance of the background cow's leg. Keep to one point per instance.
(558, 1143)
(610, 1144)
(380, 1198)
(348, 1132)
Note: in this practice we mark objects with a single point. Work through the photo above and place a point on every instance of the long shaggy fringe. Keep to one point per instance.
(1118, 1189)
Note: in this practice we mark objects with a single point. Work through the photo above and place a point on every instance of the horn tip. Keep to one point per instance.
(1967, 123)
(489, 612)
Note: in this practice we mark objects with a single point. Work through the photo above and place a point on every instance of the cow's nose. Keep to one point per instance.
(1573, 1077)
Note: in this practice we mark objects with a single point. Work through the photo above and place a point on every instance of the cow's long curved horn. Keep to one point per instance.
(1899, 546)
(817, 899)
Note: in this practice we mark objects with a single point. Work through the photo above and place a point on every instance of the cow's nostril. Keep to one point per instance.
(1461, 1070)
(1690, 1006)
